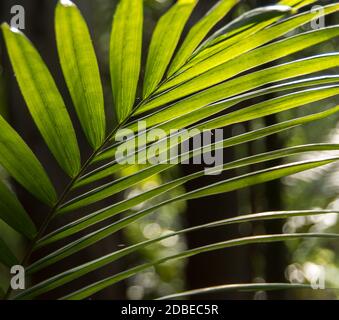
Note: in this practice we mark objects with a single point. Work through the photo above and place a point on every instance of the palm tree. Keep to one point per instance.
(189, 87)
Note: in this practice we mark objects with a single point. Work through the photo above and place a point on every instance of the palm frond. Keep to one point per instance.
(125, 55)
(81, 71)
(196, 85)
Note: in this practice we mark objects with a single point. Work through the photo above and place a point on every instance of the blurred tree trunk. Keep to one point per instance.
(276, 254)
(233, 266)
(224, 266)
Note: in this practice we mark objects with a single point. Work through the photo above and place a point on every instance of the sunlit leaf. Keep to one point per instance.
(125, 55)
(81, 72)
(164, 41)
(20, 162)
(199, 31)
(43, 100)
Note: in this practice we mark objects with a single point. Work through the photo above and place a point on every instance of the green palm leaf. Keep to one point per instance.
(162, 47)
(192, 117)
(81, 71)
(248, 287)
(100, 285)
(6, 255)
(243, 84)
(113, 167)
(260, 38)
(81, 270)
(297, 4)
(123, 183)
(199, 32)
(245, 62)
(12, 212)
(125, 55)
(20, 162)
(243, 26)
(217, 188)
(43, 100)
